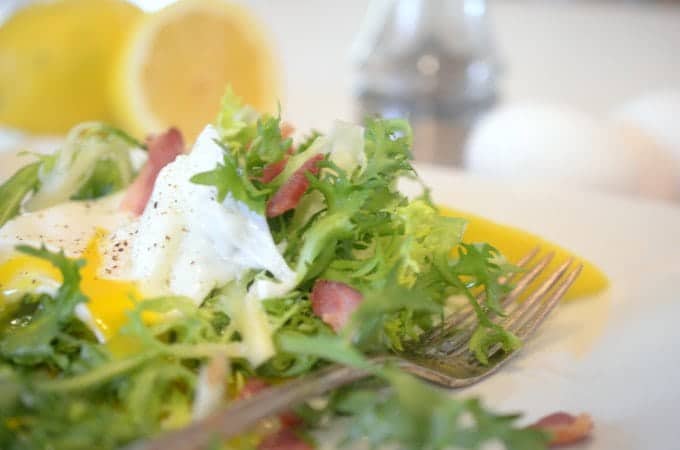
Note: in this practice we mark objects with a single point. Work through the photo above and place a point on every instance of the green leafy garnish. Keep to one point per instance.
(62, 388)
(235, 121)
(104, 180)
(229, 179)
(16, 188)
(413, 415)
(93, 162)
(31, 342)
(250, 143)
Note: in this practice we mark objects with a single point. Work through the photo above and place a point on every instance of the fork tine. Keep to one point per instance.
(523, 261)
(526, 278)
(528, 257)
(455, 344)
(527, 317)
(515, 317)
(549, 304)
(467, 312)
(522, 284)
(465, 370)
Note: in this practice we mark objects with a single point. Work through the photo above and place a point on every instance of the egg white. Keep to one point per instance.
(188, 243)
(185, 243)
(74, 228)
(66, 227)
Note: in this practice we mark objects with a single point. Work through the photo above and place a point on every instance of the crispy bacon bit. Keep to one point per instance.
(564, 428)
(289, 194)
(289, 419)
(334, 302)
(287, 129)
(284, 439)
(163, 149)
(253, 386)
(273, 170)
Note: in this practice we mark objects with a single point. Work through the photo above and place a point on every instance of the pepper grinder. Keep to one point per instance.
(432, 62)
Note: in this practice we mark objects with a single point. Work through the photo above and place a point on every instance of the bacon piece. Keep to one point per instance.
(334, 302)
(287, 129)
(284, 439)
(163, 149)
(564, 428)
(272, 170)
(289, 419)
(253, 386)
(289, 194)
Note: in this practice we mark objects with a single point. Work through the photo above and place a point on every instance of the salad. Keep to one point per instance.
(143, 286)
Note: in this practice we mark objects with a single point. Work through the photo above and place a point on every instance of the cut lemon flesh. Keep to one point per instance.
(56, 60)
(178, 62)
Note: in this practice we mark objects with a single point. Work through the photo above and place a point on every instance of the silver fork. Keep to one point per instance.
(441, 357)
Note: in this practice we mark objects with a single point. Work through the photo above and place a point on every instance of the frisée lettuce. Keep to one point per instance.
(95, 160)
(350, 226)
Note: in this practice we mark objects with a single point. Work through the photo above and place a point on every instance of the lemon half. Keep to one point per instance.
(55, 62)
(177, 63)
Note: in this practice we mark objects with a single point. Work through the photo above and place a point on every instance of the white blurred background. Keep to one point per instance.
(571, 71)
(588, 91)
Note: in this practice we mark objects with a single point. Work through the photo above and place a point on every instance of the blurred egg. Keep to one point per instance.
(657, 114)
(77, 229)
(66, 227)
(562, 145)
(658, 173)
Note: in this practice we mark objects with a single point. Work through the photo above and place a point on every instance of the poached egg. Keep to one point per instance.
(77, 229)
(185, 243)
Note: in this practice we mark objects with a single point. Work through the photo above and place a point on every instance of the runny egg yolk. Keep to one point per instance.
(108, 300)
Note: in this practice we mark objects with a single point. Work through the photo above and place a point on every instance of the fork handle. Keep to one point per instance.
(244, 414)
